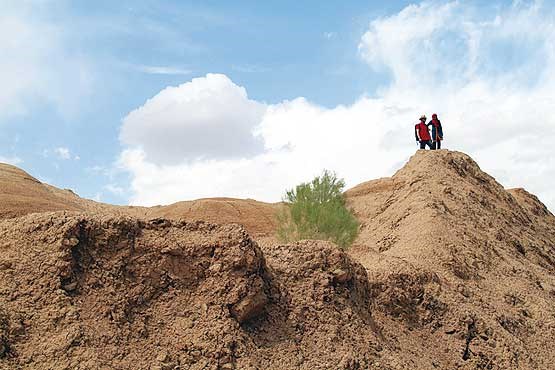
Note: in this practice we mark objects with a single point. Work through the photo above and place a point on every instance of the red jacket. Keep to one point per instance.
(437, 130)
(421, 132)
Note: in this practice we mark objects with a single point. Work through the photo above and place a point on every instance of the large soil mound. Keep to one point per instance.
(450, 271)
(466, 266)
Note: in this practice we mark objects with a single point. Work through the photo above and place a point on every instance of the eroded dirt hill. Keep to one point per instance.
(466, 266)
(450, 271)
(22, 194)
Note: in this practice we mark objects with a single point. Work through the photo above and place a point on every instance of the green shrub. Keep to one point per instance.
(316, 210)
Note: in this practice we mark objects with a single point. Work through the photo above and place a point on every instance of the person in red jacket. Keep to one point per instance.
(437, 132)
(422, 134)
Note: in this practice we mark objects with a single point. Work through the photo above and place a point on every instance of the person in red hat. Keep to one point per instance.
(437, 132)
(422, 134)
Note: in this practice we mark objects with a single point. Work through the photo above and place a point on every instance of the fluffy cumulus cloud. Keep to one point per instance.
(488, 74)
(36, 63)
(207, 118)
(300, 140)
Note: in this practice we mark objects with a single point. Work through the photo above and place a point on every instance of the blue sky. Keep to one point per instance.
(75, 70)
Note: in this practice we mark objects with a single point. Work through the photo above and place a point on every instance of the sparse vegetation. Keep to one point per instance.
(317, 210)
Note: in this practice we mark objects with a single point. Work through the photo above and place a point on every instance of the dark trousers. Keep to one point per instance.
(436, 145)
(423, 144)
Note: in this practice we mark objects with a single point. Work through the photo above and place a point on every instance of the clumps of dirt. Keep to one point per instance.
(318, 313)
(320, 266)
(5, 347)
(323, 310)
(409, 296)
(119, 292)
(123, 250)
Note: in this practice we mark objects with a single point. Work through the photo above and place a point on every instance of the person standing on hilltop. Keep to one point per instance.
(437, 132)
(422, 134)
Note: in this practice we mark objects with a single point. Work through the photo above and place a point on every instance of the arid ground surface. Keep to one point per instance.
(450, 271)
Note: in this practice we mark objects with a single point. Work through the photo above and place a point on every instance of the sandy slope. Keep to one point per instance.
(450, 271)
(460, 260)
(257, 217)
(22, 194)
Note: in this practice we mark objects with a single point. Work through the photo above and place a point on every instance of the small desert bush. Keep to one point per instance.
(317, 210)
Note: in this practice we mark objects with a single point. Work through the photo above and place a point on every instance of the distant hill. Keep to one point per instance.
(22, 194)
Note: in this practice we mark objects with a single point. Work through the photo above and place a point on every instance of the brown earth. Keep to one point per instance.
(258, 218)
(467, 266)
(86, 292)
(450, 271)
(22, 194)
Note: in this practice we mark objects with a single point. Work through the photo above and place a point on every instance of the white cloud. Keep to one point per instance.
(164, 70)
(301, 140)
(35, 62)
(209, 117)
(489, 75)
(11, 160)
(97, 170)
(114, 189)
(62, 153)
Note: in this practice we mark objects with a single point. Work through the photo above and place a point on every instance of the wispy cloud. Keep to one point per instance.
(114, 189)
(250, 68)
(163, 70)
(11, 160)
(41, 65)
(62, 153)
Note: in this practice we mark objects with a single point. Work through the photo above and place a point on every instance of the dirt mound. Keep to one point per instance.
(455, 272)
(22, 194)
(87, 292)
(459, 261)
(257, 217)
